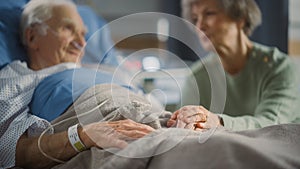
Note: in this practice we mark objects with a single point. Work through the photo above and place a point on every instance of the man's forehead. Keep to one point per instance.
(63, 15)
(69, 21)
(65, 11)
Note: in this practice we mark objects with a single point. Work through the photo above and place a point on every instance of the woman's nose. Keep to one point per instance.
(200, 23)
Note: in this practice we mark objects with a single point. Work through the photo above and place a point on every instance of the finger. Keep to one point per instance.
(115, 143)
(121, 144)
(212, 121)
(195, 118)
(111, 139)
(202, 125)
(140, 127)
(208, 125)
(171, 123)
(174, 115)
(188, 112)
(190, 126)
(119, 122)
(133, 134)
(180, 124)
(130, 125)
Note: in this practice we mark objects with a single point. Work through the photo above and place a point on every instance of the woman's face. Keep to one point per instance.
(219, 29)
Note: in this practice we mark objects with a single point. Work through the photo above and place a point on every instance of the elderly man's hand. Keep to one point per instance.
(112, 134)
(193, 117)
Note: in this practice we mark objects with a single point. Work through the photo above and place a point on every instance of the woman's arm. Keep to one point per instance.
(278, 101)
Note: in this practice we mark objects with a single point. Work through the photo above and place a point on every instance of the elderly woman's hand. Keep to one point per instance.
(194, 117)
(112, 134)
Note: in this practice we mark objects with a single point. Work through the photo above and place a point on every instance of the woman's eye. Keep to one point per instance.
(194, 20)
(209, 13)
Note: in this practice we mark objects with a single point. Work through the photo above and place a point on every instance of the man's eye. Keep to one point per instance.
(68, 28)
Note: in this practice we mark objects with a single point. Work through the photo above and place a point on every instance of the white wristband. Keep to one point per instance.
(74, 139)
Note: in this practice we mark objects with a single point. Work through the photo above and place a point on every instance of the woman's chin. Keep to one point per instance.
(207, 46)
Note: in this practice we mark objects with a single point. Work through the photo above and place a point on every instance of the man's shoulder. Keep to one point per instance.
(14, 66)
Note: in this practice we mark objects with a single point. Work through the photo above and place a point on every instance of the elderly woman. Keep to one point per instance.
(53, 33)
(262, 88)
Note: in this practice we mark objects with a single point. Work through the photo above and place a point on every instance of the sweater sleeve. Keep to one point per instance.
(279, 100)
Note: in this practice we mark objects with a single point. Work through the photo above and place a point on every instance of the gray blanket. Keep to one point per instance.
(271, 147)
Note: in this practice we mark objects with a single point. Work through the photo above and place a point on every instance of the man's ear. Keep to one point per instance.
(31, 36)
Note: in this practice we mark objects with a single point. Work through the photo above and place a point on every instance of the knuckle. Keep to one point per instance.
(201, 107)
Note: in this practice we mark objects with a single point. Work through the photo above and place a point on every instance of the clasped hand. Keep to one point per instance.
(193, 117)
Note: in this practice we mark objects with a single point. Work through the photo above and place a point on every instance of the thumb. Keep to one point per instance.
(201, 125)
(119, 144)
(170, 123)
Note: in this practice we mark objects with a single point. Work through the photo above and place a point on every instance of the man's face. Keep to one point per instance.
(64, 40)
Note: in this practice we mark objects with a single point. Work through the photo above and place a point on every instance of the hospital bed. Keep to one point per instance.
(271, 147)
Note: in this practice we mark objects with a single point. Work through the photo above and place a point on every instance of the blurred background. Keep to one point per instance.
(280, 28)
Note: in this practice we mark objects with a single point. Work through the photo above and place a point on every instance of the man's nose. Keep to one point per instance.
(77, 45)
(79, 41)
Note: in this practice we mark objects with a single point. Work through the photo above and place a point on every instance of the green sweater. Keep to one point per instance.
(266, 92)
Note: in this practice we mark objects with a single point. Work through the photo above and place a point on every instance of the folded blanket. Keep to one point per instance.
(120, 103)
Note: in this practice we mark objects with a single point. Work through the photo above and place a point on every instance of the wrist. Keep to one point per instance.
(84, 137)
(74, 138)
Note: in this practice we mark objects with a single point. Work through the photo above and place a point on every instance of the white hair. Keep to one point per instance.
(38, 11)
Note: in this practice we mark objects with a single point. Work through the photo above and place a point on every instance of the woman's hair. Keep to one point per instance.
(38, 11)
(247, 10)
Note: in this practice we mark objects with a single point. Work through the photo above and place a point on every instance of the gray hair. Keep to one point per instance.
(247, 10)
(38, 11)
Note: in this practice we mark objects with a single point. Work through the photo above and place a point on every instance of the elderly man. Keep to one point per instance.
(53, 33)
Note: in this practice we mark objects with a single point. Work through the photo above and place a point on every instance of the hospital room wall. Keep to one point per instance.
(294, 28)
(275, 30)
(280, 28)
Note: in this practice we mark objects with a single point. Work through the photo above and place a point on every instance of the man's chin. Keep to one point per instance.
(74, 58)
(71, 61)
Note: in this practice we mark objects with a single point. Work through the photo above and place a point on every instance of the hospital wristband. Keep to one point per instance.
(74, 139)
